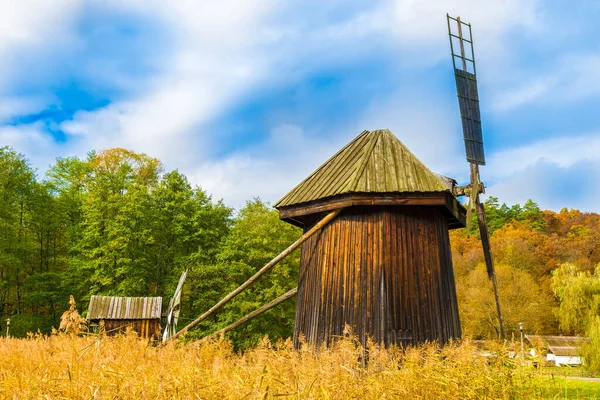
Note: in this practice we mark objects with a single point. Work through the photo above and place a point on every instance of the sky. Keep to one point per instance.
(247, 98)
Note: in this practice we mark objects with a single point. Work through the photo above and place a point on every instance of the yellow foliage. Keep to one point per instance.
(125, 367)
(70, 320)
(521, 298)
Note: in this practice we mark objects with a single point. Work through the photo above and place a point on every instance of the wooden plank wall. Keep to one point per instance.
(146, 328)
(384, 271)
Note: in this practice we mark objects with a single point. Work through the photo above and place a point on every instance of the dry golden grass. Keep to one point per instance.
(71, 321)
(63, 366)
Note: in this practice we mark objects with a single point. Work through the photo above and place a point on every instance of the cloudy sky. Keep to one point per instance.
(248, 97)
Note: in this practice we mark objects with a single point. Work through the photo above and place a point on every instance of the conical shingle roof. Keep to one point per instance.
(374, 162)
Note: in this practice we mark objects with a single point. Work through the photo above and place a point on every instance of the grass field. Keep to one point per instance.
(566, 371)
(572, 388)
(61, 366)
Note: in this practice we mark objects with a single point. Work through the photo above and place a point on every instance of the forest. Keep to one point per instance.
(116, 223)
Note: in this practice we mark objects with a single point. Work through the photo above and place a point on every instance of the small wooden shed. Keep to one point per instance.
(383, 266)
(560, 350)
(117, 314)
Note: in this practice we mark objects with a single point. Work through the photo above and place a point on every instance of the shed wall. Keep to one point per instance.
(384, 271)
(146, 328)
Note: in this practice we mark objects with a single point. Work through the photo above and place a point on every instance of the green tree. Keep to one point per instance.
(579, 307)
(578, 293)
(188, 229)
(66, 182)
(17, 182)
(116, 222)
(591, 350)
(256, 237)
(532, 215)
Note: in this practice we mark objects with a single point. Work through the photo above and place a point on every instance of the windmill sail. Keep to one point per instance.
(466, 90)
(468, 100)
(174, 308)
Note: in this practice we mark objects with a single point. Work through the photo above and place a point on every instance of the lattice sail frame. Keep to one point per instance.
(466, 88)
(174, 309)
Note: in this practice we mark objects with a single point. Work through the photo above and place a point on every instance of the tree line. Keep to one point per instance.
(116, 223)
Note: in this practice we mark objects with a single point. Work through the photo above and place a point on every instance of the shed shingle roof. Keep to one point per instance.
(374, 162)
(559, 345)
(109, 307)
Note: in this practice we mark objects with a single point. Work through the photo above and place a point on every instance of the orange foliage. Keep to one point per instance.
(532, 250)
(113, 161)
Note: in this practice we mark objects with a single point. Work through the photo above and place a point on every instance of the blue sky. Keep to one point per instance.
(247, 98)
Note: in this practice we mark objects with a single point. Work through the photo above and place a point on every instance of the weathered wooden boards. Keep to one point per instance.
(385, 271)
(146, 328)
(117, 314)
(112, 307)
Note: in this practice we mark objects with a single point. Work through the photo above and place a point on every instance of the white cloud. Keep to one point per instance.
(572, 77)
(421, 25)
(559, 172)
(563, 152)
(13, 106)
(525, 94)
(268, 170)
(553, 186)
(27, 22)
(32, 25)
(212, 63)
(491, 18)
(223, 50)
(41, 150)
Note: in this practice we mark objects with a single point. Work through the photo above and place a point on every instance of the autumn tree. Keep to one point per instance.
(113, 223)
(521, 298)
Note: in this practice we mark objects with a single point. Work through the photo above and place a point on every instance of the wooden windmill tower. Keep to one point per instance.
(383, 265)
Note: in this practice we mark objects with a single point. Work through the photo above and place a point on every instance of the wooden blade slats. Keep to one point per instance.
(468, 100)
(466, 88)
(174, 309)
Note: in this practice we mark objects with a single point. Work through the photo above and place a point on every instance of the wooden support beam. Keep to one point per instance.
(328, 218)
(255, 313)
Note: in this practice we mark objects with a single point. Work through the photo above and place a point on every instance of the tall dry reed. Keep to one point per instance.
(125, 367)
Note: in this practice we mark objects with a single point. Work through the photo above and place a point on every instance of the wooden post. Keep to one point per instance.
(485, 242)
(328, 218)
(255, 313)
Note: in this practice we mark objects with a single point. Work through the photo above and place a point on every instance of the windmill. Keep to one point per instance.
(375, 250)
(174, 309)
(466, 86)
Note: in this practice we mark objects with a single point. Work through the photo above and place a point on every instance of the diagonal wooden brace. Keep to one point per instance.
(328, 218)
(254, 313)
